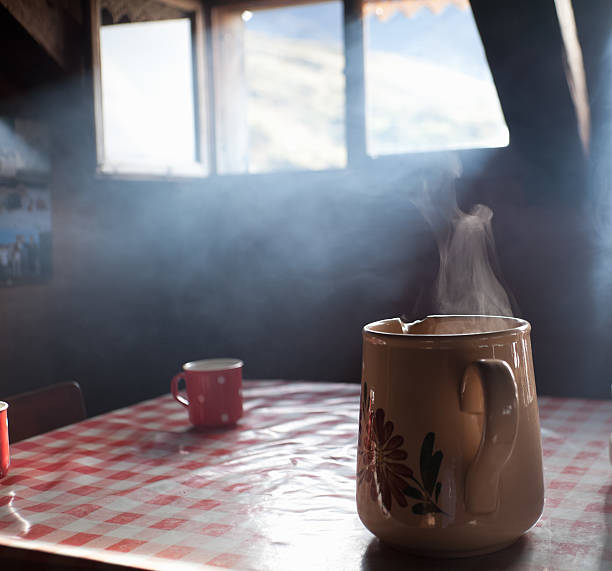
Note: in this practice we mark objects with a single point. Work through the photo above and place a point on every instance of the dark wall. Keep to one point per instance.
(279, 271)
(283, 270)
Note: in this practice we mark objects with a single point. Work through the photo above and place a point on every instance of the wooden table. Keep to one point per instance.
(139, 487)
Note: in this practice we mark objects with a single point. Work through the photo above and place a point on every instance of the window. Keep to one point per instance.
(428, 84)
(148, 101)
(280, 77)
(269, 86)
(150, 76)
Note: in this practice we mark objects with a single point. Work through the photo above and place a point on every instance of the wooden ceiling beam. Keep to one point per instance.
(53, 25)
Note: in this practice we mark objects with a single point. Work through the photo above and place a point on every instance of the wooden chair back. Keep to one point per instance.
(42, 410)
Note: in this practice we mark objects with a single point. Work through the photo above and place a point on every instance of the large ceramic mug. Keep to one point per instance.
(449, 454)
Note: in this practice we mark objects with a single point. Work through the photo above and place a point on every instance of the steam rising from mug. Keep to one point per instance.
(466, 283)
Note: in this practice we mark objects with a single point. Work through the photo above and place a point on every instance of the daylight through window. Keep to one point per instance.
(147, 93)
(289, 92)
(264, 87)
(428, 84)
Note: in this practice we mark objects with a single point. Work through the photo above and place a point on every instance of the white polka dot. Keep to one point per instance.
(220, 380)
(201, 398)
(224, 417)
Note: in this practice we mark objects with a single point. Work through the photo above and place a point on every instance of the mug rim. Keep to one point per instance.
(3, 405)
(521, 325)
(212, 365)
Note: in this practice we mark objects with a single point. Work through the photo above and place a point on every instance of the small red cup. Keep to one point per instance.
(214, 391)
(5, 456)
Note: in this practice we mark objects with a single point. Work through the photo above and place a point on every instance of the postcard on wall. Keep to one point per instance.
(25, 234)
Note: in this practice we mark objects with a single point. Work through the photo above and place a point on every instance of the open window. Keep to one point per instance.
(286, 85)
(149, 79)
(427, 81)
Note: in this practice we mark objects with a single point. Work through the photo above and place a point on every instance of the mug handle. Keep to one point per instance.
(175, 390)
(499, 429)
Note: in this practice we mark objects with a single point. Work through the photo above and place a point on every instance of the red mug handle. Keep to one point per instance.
(175, 390)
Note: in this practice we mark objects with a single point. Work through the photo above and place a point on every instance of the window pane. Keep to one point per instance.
(147, 93)
(293, 93)
(428, 84)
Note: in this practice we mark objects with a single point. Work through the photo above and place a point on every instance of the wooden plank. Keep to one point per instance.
(230, 92)
(49, 25)
(240, 5)
(97, 80)
(200, 94)
(355, 82)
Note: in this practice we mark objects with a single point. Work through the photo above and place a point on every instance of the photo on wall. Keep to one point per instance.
(25, 234)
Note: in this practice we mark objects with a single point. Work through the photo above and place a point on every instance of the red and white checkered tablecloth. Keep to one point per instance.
(139, 487)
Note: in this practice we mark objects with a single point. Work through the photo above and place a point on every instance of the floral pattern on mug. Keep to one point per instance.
(383, 469)
(428, 491)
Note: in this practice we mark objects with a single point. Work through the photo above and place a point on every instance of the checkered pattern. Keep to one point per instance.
(140, 487)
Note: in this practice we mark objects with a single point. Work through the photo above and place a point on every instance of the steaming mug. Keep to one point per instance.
(449, 453)
(213, 391)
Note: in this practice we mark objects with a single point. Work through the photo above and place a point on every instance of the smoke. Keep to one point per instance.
(466, 283)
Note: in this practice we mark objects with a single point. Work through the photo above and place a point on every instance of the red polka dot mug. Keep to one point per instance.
(213, 391)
